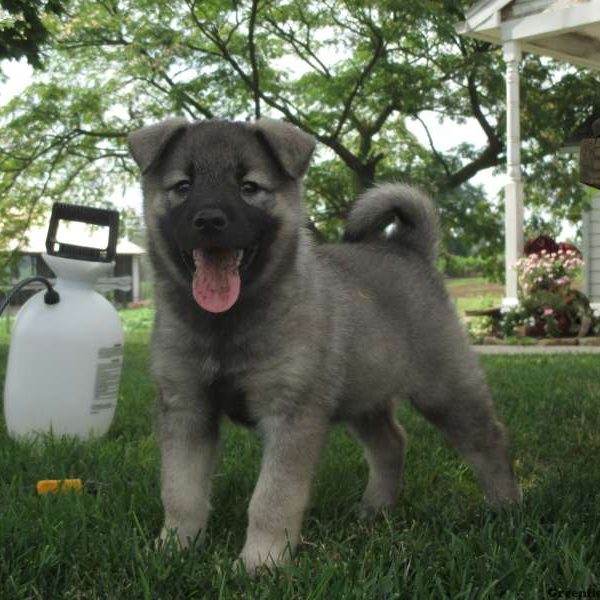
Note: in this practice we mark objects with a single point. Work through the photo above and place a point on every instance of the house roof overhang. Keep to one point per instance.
(563, 29)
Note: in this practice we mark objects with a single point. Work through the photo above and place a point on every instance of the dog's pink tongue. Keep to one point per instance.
(216, 285)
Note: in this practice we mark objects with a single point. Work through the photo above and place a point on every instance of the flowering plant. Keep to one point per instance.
(548, 304)
(548, 270)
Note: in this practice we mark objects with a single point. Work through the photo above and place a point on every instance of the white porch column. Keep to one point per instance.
(135, 278)
(513, 189)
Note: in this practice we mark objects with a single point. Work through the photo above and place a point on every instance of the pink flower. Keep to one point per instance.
(548, 311)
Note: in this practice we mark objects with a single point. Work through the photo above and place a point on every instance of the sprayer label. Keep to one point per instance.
(115, 351)
(108, 375)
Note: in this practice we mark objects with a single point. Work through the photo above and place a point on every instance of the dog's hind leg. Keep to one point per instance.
(384, 442)
(461, 406)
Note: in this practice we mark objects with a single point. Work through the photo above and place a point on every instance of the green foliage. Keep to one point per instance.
(22, 30)
(461, 266)
(350, 73)
(514, 318)
(137, 320)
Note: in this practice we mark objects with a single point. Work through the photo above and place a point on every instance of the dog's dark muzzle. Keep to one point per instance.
(225, 227)
(210, 220)
(213, 230)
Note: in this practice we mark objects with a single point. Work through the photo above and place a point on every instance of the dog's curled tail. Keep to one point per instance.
(412, 213)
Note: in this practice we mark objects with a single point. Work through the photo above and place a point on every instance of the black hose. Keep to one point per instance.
(50, 297)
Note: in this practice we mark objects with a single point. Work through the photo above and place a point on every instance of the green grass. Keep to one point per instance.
(439, 541)
(473, 293)
(454, 282)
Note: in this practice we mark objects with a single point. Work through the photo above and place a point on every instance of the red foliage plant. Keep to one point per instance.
(542, 242)
(566, 246)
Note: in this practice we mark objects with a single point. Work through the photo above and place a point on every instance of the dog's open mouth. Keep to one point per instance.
(216, 280)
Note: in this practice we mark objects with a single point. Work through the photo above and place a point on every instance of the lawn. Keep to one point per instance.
(439, 541)
(474, 293)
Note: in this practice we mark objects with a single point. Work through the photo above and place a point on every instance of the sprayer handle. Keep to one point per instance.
(91, 216)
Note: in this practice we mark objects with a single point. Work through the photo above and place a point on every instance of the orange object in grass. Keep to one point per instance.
(54, 486)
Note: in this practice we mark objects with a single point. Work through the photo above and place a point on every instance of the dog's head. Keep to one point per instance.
(222, 202)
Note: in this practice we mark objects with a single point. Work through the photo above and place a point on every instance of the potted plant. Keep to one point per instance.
(549, 305)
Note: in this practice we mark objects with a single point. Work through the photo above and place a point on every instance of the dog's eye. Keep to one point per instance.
(182, 187)
(249, 187)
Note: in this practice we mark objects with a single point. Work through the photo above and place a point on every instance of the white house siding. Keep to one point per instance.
(591, 250)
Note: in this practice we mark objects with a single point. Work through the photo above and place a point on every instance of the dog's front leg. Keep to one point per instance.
(292, 446)
(188, 443)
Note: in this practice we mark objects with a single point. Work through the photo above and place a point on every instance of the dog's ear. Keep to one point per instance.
(291, 146)
(147, 144)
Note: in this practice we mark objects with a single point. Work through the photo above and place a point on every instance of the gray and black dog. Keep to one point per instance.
(256, 322)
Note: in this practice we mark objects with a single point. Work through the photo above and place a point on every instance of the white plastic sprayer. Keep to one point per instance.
(65, 356)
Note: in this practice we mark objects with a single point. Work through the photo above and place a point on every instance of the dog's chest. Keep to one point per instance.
(228, 398)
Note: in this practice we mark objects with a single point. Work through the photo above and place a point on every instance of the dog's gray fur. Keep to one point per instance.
(319, 333)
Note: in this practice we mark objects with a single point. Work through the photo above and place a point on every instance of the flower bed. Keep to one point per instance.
(549, 306)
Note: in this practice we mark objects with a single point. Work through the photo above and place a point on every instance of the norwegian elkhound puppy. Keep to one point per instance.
(256, 322)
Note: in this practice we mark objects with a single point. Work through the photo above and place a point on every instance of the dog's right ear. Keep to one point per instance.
(291, 146)
(147, 144)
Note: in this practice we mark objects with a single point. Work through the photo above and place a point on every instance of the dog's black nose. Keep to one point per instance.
(210, 219)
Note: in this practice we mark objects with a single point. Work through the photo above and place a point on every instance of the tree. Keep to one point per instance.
(349, 72)
(22, 31)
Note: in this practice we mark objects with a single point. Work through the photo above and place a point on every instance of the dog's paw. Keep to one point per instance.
(508, 496)
(172, 538)
(254, 564)
(370, 512)
(252, 568)
(375, 502)
(256, 558)
(167, 541)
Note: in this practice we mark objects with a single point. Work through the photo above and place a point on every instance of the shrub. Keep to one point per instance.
(462, 266)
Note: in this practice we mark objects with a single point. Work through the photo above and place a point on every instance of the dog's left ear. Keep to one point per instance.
(291, 146)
